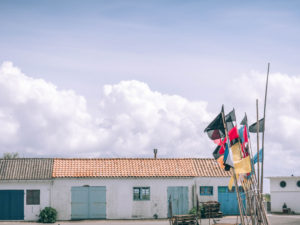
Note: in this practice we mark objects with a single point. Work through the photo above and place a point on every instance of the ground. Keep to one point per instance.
(274, 220)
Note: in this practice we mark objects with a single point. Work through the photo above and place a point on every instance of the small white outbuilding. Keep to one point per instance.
(285, 190)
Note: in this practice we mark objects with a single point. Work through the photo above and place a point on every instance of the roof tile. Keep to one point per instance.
(137, 167)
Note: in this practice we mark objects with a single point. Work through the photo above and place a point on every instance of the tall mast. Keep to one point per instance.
(263, 134)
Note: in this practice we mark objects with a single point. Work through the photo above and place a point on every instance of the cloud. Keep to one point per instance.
(39, 119)
(282, 117)
(140, 119)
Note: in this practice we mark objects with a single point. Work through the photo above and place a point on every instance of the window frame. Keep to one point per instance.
(32, 198)
(282, 184)
(143, 193)
(206, 190)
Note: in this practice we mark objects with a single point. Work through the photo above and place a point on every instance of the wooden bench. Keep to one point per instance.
(184, 220)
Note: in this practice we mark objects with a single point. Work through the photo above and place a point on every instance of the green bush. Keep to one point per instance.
(194, 211)
(48, 215)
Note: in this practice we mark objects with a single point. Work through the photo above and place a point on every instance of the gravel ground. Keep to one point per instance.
(274, 220)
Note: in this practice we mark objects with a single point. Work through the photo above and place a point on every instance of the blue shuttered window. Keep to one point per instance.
(141, 193)
(206, 190)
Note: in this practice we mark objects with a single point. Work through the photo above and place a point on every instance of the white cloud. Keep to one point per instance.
(139, 119)
(282, 150)
(39, 119)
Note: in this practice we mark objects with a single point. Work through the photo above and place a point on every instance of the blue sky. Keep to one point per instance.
(177, 47)
(119, 78)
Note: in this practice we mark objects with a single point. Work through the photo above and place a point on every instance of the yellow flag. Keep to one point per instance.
(243, 166)
(236, 152)
(220, 160)
(230, 183)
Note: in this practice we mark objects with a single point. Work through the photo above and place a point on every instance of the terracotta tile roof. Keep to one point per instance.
(137, 167)
(26, 169)
(209, 168)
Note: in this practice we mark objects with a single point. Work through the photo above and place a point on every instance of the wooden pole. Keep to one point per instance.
(233, 171)
(263, 134)
(257, 132)
(258, 168)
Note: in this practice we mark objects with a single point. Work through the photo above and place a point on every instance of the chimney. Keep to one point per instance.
(155, 153)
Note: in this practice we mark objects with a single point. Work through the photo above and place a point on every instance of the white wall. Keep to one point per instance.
(119, 196)
(31, 212)
(289, 194)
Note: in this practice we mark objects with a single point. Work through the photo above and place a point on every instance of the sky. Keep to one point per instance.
(119, 78)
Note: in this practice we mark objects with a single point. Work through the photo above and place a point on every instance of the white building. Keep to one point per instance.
(123, 188)
(285, 190)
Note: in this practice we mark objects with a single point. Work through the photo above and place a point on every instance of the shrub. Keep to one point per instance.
(48, 215)
(193, 211)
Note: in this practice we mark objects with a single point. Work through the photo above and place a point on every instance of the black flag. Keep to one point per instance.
(229, 118)
(216, 152)
(245, 120)
(253, 128)
(215, 130)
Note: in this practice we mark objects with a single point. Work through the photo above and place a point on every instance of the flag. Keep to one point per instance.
(243, 133)
(215, 130)
(216, 152)
(233, 134)
(243, 166)
(236, 152)
(255, 157)
(227, 159)
(253, 128)
(220, 160)
(230, 183)
(216, 135)
(229, 118)
(244, 120)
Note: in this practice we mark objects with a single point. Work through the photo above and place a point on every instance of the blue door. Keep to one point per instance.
(179, 197)
(11, 204)
(88, 203)
(97, 202)
(228, 200)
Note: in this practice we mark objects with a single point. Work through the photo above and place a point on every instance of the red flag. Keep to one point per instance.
(233, 134)
(245, 134)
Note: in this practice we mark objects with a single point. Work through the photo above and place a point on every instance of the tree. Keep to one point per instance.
(10, 155)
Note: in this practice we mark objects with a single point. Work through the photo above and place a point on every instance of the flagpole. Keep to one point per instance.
(257, 132)
(263, 134)
(234, 175)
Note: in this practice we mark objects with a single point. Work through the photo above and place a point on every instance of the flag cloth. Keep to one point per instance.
(243, 133)
(255, 157)
(227, 159)
(220, 161)
(216, 152)
(253, 128)
(229, 118)
(216, 135)
(233, 134)
(215, 130)
(223, 146)
(230, 183)
(236, 152)
(243, 166)
(244, 120)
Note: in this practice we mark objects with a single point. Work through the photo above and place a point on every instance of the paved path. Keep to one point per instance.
(274, 220)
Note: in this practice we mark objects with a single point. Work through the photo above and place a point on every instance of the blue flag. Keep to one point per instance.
(255, 157)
